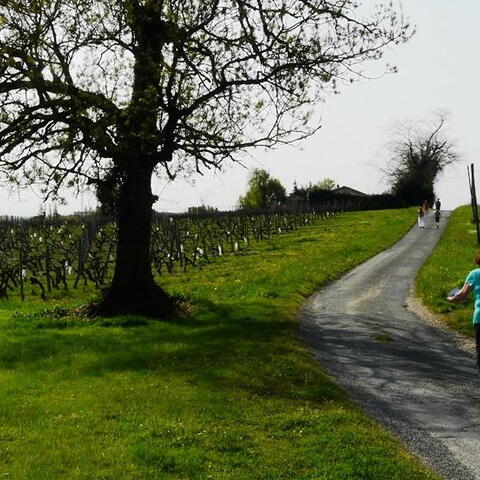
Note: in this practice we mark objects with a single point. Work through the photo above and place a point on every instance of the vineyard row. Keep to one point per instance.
(49, 253)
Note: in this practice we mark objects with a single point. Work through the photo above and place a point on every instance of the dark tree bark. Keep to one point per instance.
(133, 289)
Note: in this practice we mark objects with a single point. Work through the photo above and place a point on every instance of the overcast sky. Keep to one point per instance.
(438, 70)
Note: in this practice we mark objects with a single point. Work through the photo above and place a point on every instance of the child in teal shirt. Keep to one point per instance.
(472, 283)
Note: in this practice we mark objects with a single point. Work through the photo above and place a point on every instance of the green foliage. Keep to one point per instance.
(263, 191)
(326, 184)
(107, 192)
(315, 196)
(448, 267)
(414, 187)
(202, 210)
(227, 391)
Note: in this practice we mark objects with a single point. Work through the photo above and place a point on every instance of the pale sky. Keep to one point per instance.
(438, 70)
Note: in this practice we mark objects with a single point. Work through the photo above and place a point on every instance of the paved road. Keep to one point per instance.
(402, 371)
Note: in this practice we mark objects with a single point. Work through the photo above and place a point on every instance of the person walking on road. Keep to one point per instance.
(438, 204)
(421, 215)
(437, 218)
(472, 283)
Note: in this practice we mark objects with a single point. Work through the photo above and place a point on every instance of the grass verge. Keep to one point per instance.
(447, 268)
(226, 392)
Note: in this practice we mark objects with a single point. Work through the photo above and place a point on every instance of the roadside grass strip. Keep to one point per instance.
(225, 391)
(447, 268)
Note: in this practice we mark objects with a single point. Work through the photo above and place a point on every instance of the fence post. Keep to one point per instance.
(47, 266)
(22, 293)
(473, 194)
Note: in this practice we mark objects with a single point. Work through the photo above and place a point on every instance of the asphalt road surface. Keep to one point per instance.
(404, 372)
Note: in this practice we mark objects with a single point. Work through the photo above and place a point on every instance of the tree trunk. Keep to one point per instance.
(133, 289)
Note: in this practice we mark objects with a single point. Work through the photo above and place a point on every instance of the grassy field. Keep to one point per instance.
(225, 392)
(448, 267)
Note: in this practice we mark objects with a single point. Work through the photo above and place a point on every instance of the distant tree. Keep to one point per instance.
(419, 154)
(111, 92)
(306, 193)
(201, 210)
(263, 191)
(326, 184)
(41, 210)
(295, 189)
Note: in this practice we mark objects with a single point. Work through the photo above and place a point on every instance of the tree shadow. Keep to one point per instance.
(220, 346)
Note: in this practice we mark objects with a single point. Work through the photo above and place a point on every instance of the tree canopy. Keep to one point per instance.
(326, 184)
(215, 77)
(263, 191)
(110, 92)
(420, 152)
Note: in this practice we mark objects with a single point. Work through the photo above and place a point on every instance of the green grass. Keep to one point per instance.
(448, 267)
(225, 392)
(383, 338)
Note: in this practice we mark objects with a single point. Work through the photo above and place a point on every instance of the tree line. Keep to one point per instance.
(419, 153)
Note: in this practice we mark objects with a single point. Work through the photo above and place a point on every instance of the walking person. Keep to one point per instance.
(472, 283)
(437, 218)
(425, 206)
(421, 215)
(438, 204)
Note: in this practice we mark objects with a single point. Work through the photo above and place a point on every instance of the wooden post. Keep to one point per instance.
(21, 260)
(22, 294)
(47, 266)
(473, 194)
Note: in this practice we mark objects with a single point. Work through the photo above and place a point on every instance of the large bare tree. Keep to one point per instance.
(420, 151)
(110, 92)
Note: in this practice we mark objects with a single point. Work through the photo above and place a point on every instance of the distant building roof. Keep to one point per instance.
(349, 191)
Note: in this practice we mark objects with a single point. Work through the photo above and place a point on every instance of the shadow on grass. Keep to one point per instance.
(244, 346)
